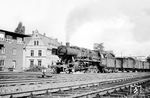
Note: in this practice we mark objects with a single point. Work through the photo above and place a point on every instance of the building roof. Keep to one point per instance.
(14, 34)
(48, 40)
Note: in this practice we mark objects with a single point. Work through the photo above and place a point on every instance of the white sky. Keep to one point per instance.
(122, 25)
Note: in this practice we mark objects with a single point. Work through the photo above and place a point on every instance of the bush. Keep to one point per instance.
(35, 69)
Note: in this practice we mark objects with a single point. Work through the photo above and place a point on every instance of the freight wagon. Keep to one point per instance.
(108, 62)
(146, 66)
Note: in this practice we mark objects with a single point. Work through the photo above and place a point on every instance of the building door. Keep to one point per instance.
(1, 65)
(39, 62)
(13, 64)
(31, 63)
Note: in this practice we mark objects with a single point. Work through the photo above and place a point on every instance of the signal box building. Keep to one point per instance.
(38, 51)
(11, 51)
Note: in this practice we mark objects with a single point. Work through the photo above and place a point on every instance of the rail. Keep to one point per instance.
(30, 81)
(108, 90)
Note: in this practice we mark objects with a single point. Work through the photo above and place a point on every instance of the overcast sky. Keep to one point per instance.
(122, 25)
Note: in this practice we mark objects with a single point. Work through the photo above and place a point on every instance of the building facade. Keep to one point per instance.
(11, 51)
(38, 51)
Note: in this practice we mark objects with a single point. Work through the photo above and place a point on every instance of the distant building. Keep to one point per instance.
(38, 51)
(11, 51)
(141, 58)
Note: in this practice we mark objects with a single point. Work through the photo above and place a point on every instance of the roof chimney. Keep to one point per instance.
(67, 44)
(32, 32)
(44, 34)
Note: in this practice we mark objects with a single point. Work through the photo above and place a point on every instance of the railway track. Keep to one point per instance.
(94, 90)
(19, 82)
(70, 89)
(12, 75)
(52, 79)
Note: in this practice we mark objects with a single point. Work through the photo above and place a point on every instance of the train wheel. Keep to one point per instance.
(93, 70)
(68, 71)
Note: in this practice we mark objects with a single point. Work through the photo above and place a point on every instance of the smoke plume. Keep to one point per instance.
(120, 25)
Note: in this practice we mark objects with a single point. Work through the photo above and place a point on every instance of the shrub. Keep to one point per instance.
(35, 69)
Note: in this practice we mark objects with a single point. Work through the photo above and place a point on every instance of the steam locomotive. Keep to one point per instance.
(74, 59)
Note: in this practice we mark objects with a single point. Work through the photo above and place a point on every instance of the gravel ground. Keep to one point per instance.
(62, 80)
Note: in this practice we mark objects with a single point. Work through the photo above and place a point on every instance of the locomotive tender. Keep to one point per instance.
(74, 59)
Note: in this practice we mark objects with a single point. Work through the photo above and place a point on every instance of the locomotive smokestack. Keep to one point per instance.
(67, 44)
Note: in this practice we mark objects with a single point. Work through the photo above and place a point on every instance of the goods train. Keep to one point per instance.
(73, 59)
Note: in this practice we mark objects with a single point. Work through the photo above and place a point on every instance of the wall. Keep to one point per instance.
(45, 44)
(9, 46)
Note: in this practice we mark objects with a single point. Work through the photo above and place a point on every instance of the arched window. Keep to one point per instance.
(37, 43)
(32, 52)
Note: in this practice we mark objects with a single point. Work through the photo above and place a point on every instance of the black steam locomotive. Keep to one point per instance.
(74, 59)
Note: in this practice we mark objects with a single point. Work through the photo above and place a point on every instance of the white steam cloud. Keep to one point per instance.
(114, 24)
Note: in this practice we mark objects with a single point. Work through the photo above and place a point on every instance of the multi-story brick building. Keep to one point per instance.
(38, 50)
(11, 51)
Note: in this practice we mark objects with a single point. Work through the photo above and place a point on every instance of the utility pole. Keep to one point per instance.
(121, 54)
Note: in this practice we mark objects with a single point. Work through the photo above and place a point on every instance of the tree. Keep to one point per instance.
(148, 59)
(99, 47)
(20, 28)
(23, 30)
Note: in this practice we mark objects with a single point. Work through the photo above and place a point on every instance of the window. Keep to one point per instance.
(36, 43)
(8, 37)
(40, 53)
(19, 40)
(39, 62)
(31, 63)
(32, 52)
(14, 37)
(3, 50)
(14, 51)
(1, 62)
(54, 51)
(2, 36)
